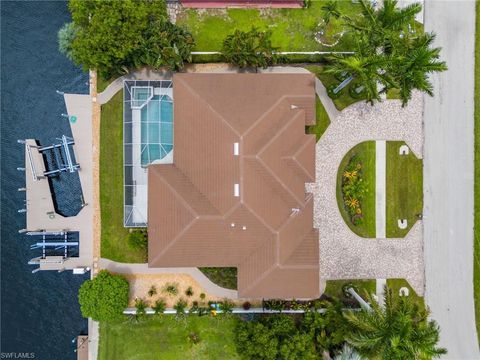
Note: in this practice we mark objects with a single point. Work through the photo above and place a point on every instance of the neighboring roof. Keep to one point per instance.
(242, 3)
(194, 217)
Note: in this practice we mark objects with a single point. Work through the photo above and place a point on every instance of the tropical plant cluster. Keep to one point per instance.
(398, 330)
(113, 36)
(280, 304)
(353, 190)
(391, 51)
(250, 49)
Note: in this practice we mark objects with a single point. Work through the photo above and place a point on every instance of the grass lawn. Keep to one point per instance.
(344, 99)
(166, 338)
(365, 153)
(114, 244)
(102, 83)
(292, 29)
(322, 121)
(476, 261)
(222, 276)
(404, 189)
(334, 288)
(396, 284)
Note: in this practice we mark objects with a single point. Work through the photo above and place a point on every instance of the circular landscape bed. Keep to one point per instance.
(356, 189)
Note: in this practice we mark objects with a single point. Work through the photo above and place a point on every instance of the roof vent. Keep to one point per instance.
(232, 224)
(295, 211)
(293, 107)
(236, 149)
(244, 227)
(236, 190)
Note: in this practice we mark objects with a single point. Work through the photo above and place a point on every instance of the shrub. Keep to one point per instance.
(104, 297)
(159, 306)
(141, 306)
(226, 306)
(202, 296)
(189, 291)
(246, 305)
(171, 289)
(138, 239)
(152, 291)
(180, 306)
(194, 308)
(274, 304)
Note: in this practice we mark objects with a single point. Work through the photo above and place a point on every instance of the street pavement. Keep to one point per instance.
(448, 179)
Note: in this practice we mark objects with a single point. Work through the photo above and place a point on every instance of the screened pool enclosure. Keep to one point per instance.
(147, 139)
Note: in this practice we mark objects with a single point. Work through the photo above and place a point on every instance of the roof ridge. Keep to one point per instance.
(294, 156)
(267, 145)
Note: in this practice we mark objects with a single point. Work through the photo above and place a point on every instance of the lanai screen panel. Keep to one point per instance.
(147, 139)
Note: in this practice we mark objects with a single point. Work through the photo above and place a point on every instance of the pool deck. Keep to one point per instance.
(40, 210)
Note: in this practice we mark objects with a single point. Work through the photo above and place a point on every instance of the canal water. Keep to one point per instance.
(39, 312)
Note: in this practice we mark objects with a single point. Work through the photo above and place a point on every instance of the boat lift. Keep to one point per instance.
(62, 156)
(59, 154)
(52, 239)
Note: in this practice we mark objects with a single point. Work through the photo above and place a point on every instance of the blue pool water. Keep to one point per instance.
(39, 312)
(157, 129)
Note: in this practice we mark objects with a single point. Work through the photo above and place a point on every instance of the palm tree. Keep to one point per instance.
(365, 69)
(399, 330)
(415, 66)
(348, 353)
(380, 27)
(387, 54)
(330, 9)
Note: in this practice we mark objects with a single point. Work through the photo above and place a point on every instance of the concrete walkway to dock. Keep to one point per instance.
(150, 74)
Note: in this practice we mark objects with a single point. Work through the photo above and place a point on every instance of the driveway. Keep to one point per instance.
(448, 179)
(343, 254)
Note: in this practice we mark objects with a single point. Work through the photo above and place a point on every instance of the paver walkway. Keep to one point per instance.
(209, 286)
(343, 254)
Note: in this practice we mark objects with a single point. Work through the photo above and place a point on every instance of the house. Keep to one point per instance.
(242, 3)
(234, 195)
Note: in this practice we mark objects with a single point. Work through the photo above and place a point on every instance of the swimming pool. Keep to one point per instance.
(147, 139)
(156, 129)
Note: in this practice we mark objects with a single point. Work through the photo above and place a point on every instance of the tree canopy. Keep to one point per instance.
(111, 36)
(104, 297)
(273, 337)
(250, 49)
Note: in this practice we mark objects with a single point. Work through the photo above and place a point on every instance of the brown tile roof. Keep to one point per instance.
(194, 217)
